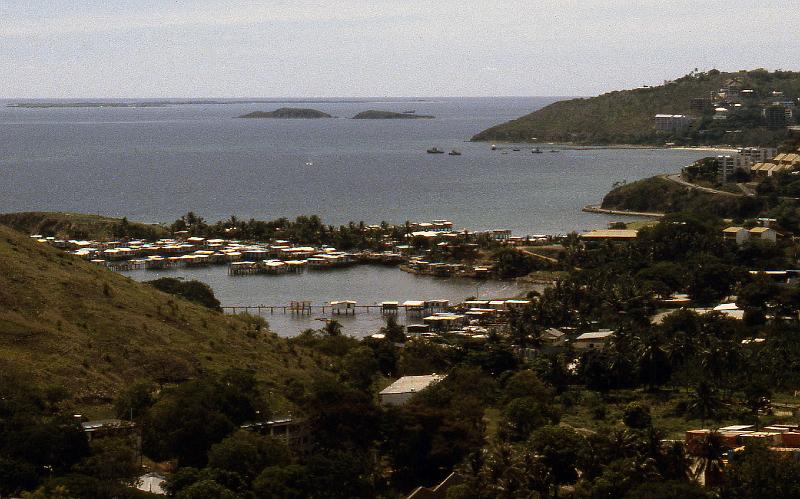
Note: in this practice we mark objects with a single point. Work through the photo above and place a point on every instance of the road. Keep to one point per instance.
(676, 177)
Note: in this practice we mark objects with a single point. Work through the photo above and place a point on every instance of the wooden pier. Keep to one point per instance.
(337, 308)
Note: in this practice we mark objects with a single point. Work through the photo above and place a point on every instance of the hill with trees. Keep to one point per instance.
(659, 195)
(81, 327)
(80, 226)
(626, 117)
(288, 113)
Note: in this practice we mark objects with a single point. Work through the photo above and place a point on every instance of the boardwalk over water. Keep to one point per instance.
(344, 307)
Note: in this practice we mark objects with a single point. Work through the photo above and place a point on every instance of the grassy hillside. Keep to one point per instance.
(657, 194)
(79, 225)
(626, 117)
(66, 322)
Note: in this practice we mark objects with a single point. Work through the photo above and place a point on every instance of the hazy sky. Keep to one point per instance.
(240, 48)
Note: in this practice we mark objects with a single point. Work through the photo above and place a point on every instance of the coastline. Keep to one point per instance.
(568, 146)
(594, 208)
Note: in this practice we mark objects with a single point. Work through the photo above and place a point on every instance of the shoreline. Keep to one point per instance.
(568, 146)
(595, 208)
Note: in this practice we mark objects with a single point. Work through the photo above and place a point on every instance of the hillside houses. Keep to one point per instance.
(740, 235)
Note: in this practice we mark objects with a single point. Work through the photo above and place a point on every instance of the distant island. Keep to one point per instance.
(288, 113)
(701, 108)
(389, 115)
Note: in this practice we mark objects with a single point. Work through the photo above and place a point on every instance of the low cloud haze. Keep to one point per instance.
(236, 48)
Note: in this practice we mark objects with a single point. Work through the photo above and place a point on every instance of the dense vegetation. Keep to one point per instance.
(80, 226)
(288, 113)
(659, 195)
(196, 291)
(626, 117)
(513, 419)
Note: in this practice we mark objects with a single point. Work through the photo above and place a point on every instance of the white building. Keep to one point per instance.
(764, 233)
(671, 122)
(720, 113)
(399, 392)
(752, 155)
(738, 234)
(596, 340)
(726, 166)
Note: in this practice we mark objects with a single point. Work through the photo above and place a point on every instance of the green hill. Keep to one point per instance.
(288, 113)
(656, 194)
(69, 323)
(389, 115)
(80, 226)
(626, 117)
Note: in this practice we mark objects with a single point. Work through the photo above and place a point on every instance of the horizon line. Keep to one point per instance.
(280, 98)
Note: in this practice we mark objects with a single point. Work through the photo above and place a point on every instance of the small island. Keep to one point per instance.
(288, 113)
(373, 114)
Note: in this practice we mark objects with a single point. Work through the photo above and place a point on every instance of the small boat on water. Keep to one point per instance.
(554, 150)
(537, 151)
(494, 147)
(435, 150)
(454, 152)
(516, 149)
(410, 111)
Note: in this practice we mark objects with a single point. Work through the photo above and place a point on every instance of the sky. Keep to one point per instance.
(377, 48)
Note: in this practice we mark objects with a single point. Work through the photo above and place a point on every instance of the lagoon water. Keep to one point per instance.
(154, 164)
(367, 284)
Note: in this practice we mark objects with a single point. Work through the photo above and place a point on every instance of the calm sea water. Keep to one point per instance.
(367, 285)
(156, 163)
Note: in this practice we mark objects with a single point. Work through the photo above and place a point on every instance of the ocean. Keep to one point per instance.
(155, 163)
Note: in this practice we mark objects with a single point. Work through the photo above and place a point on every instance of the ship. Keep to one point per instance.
(537, 151)
(454, 152)
(435, 150)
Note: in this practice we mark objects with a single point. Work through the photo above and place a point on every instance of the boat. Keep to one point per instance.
(494, 147)
(537, 151)
(516, 149)
(411, 111)
(435, 150)
(454, 152)
(554, 150)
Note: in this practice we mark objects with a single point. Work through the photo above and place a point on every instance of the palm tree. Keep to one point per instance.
(332, 328)
(704, 403)
(707, 466)
(654, 363)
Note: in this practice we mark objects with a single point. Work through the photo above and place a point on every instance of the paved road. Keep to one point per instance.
(676, 177)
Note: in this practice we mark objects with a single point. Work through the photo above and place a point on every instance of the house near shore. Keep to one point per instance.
(399, 392)
(596, 340)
